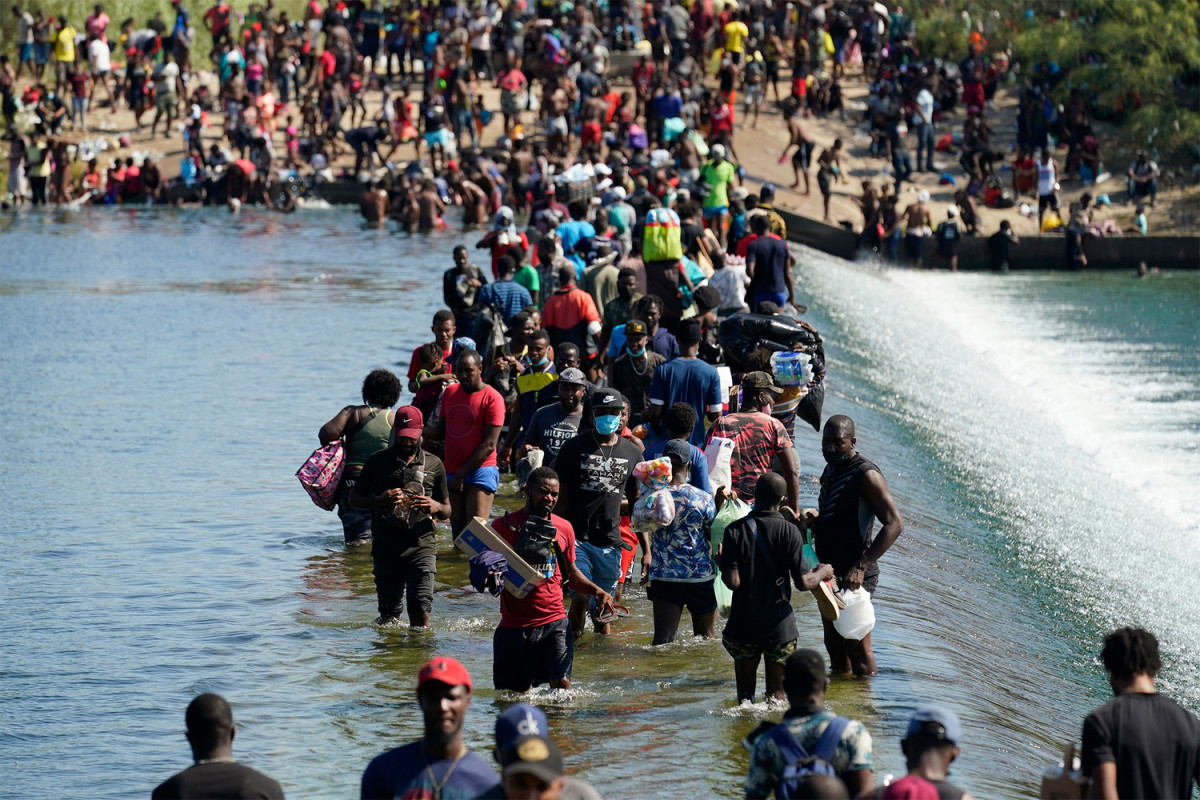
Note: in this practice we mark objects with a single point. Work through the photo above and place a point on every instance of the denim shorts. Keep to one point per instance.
(600, 565)
(715, 211)
(485, 478)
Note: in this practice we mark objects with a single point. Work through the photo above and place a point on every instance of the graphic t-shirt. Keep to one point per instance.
(466, 415)
(544, 604)
(551, 427)
(681, 551)
(757, 439)
(406, 772)
(593, 479)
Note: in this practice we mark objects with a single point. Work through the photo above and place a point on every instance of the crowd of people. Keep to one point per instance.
(289, 101)
(1139, 745)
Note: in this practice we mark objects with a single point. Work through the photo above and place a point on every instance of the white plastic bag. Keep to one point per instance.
(857, 619)
(719, 454)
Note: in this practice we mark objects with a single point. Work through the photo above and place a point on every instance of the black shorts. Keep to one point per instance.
(802, 158)
(526, 657)
(399, 578)
(1047, 201)
(735, 58)
(823, 177)
(699, 598)
(772, 71)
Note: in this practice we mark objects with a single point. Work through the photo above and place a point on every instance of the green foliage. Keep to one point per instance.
(1131, 56)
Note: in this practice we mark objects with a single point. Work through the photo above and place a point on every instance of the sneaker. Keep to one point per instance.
(828, 601)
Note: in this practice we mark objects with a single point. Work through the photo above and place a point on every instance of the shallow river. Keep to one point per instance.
(165, 373)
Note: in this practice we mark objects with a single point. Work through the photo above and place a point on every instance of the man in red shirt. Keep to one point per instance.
(218, 20)
(533, 644)
(570, 314)
(469, 427)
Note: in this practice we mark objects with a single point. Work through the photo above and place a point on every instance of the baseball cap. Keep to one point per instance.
(517, 722)
(635, 327)
(607, 398)
(408, 422)
(533, 755)
(718, 151)
(444, 670)
(572, 375)
(951, 211)
(936, 722)
(678, 448)
(767, 191)
(688, 331)
(760, 380)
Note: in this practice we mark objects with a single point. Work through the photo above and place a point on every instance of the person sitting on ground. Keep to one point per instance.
(439, 764)
(1140, 744)
(210, 733)
(1142, 178)
(802, 730)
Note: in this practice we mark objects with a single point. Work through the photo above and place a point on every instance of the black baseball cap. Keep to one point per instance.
(607, 398)
(678, 449)
(635, 327)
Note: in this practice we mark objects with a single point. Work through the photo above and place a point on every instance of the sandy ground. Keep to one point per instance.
(1177, 210)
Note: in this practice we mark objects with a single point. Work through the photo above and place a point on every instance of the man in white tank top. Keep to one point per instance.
(1047, 185)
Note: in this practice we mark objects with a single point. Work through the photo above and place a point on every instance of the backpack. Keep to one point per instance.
(800, 764)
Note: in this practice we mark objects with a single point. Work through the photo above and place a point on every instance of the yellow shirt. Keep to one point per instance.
(735, 36)
(64, 44)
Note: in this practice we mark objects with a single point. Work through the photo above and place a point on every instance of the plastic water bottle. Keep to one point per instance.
(791, 369)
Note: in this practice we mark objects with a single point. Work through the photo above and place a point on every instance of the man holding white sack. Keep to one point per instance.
(853, 495)
(758, 438)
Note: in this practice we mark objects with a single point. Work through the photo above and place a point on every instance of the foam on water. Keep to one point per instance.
(1082, 449)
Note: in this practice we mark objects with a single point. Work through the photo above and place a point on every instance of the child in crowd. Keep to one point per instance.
(429, 380)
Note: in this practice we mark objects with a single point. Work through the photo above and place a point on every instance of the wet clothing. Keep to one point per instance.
(842, 533)
(761, 612)
(398, 533)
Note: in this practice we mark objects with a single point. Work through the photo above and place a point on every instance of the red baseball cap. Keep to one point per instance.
(408, 422)
(444, 670)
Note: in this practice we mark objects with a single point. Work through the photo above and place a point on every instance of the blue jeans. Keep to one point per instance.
(902, 164)
(925, 142)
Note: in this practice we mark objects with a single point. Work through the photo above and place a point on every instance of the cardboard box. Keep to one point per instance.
(520, 579)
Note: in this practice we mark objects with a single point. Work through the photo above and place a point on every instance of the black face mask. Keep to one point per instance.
(535, 543)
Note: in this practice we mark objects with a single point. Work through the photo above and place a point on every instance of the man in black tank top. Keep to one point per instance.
(853, 495)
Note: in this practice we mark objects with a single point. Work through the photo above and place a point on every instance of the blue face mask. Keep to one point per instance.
(608, 424)
(539, 362)
(637, 353)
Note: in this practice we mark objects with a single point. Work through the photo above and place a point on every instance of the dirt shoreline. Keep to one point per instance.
(1177, 211)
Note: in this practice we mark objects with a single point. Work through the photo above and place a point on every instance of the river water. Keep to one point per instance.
(165, 373)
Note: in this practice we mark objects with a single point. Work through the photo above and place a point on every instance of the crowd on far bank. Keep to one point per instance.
(289, 103)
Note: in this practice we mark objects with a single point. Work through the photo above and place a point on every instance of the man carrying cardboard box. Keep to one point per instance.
(533, 644)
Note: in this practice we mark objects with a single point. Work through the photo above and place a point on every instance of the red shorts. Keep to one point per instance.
(629, 538)
(590, 133)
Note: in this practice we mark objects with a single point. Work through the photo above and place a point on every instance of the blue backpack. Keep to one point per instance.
(800, 763)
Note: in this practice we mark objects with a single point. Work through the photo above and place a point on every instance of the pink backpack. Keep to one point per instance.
(322, 472)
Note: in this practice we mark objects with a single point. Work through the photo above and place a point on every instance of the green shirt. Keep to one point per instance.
(527, 276)
(718, 177)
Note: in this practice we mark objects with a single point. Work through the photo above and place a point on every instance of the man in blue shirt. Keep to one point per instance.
(679, 420)
(439, 764)
(686, 379)
(508, 296)
(769, 264)
(572, 231)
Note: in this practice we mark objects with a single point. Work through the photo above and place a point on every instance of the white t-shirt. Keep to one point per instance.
(164, 77)
(98, 55)
(481, 36)
(925, 106)
(25, 28)
(1047, 177)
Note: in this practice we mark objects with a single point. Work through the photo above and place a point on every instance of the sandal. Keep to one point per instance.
(610, 613)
